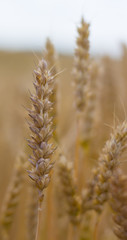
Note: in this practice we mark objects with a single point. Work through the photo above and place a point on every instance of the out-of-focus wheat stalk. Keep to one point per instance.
(69, 190)
(89, 115)
(81, 66)
(81, 79)
(50, 56)
(32, 211)
(85, 229)
(88, 120)
(12, 198)
(118, 202)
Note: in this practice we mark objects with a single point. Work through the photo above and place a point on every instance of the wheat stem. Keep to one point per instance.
(38, 221)
(95, 235)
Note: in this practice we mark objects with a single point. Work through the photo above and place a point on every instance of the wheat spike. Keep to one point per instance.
(50, 56)
(96, 193)
(89, 115)
(42, 128)
(69, 189)
(108, 161)
(81, 66)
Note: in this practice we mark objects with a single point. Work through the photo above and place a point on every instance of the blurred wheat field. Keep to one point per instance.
(16, 79)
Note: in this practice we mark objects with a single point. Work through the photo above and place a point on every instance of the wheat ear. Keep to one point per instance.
(12, 197)
(108, 161)
(66, 176)
(81, 66)
(89, 115)
(50, 56)
(118, 202)
(96, 193)
(41, 128)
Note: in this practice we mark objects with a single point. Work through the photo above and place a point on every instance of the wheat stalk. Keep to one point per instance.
(85, 229)
(89, 115)
(42, 130)
(50, 56)
(32, 210)
(80, 81)
(81, 66)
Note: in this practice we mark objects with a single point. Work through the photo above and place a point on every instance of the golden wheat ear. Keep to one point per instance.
(81, 66)
(118, 203)
(109, 161)
(89, 114)
(50, 56)
(12, 197)
(97, 190)
(41, 126)
(66, 176)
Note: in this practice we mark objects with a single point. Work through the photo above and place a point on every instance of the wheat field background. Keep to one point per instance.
(16, 78)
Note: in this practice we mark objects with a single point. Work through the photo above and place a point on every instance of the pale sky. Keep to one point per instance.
(25, 24)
